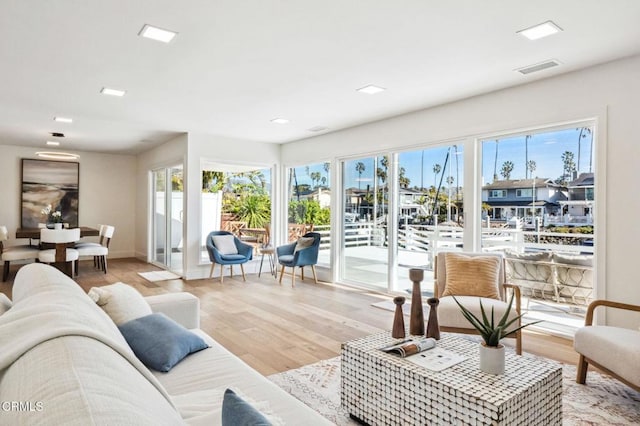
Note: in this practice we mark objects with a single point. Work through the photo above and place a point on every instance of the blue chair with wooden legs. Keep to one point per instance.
(303, 252)
(226, 249)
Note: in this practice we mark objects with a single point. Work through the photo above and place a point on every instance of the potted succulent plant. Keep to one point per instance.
(491, 350)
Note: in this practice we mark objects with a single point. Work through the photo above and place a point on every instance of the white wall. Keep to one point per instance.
(609, 93)
(107, 193)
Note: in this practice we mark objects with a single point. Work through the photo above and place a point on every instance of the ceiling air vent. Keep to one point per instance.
(538, 67)
(318, 129)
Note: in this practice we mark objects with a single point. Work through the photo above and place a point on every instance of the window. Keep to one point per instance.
(524, 193)
(309, 205)
(236, 199)
(498, 193)
(547, 229)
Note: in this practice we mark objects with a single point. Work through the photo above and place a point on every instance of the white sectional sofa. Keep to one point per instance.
(64, 361)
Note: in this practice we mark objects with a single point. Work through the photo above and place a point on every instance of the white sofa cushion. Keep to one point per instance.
(450, 314)
(120, 301)
(197, 387)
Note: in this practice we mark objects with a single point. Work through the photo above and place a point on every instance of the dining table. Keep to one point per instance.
(34, 233)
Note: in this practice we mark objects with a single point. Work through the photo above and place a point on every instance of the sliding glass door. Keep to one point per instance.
(365, 256)
(167, 218)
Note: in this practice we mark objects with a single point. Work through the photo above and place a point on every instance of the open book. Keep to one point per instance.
(410, 347)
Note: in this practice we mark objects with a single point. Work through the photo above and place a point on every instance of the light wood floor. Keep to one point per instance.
(275, 328)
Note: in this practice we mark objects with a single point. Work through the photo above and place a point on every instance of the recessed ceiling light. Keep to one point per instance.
(280, 121)
(53, 143)
(57, 155)
(371, 89)
(112, 92)
(155, 33)
(63, 119)
(539, 31)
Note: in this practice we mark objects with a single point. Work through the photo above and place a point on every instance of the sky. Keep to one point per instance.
(545, 148)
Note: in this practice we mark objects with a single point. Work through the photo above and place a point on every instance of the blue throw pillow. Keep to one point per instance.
(159, 342)
(237, 412)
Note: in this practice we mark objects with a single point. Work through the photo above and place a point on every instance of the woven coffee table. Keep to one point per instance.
(383, 389)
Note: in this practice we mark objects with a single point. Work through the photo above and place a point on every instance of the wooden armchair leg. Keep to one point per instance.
(104, 264)
(315, 277)
(293, 277)
(221, 273)
(242, 269)
(301, 272)
(281, 275)
(519, 342)
(581, 375)
(211, 270)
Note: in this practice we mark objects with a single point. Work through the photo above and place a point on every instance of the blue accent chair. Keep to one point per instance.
(245, 254)
(308, 256)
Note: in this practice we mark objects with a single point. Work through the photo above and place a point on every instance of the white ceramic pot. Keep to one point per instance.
(492, 359)
(57, 226)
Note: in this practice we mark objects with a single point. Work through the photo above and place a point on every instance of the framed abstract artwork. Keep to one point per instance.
(49, 183)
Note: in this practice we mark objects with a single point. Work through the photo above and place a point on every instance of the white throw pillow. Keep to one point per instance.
(5, 303)
(225, 244)
(121, 302)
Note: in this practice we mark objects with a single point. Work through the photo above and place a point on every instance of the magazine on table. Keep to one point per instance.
(410, 347)
(424, 353)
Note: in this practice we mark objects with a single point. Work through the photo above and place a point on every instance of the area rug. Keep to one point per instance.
(603, 401)
(154, 276)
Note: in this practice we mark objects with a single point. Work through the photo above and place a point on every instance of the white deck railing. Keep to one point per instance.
(431, 239)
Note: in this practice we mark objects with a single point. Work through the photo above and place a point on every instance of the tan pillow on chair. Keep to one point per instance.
(472, 276)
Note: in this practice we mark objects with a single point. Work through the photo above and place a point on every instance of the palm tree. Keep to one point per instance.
(584, 132)
(315, 178)
(360, 169)
(403, 179)
(437, 168)
(568, 166)
(507, 168)
(327, 168)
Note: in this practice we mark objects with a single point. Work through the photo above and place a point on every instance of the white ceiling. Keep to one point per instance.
(237, 64)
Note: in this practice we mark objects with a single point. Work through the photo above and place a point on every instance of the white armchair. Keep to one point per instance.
(615, 350)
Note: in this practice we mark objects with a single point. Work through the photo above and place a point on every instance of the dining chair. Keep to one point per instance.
(14, 253)
(99, 250)
(61, 238)
(471, 278)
